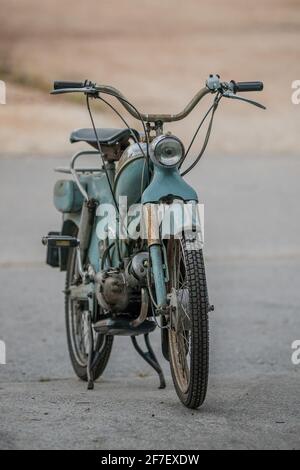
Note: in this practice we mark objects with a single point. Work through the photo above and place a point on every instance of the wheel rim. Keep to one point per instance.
(79, 332)
(79, 327)
(180, 318)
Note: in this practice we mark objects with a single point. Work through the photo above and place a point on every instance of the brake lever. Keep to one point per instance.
(228, 94)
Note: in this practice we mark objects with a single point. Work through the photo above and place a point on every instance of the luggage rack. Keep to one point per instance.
(69, 170)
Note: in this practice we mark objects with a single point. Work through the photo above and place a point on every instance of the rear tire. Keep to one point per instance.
(188, 336)
(103, 344)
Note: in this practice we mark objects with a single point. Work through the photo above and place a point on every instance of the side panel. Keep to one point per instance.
(98, 188)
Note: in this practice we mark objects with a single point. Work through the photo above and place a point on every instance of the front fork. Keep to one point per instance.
(158, 271)
(157, 261)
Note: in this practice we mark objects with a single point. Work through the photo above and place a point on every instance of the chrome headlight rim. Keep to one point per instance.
(158, 140)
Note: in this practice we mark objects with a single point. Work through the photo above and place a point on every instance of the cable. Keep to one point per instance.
(126, 124)
(106, 254)
(142, 122)
(105, 169)
(142, 180)
(133, 136)
(101, 153)
(196, 133)
(206, 140)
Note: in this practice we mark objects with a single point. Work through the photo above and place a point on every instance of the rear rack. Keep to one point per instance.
(70, 170)
(67, 170)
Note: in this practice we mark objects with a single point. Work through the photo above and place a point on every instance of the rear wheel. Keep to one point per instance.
(77, 333)
(188, 334)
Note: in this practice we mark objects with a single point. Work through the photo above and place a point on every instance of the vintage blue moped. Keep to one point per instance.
(131, 241)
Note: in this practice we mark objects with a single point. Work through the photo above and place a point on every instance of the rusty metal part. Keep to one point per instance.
(86, 227)
(154, 117)
(111, 290)
(151, 223)
(144, 309)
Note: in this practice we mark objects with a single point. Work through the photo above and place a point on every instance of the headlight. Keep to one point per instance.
(166, 150)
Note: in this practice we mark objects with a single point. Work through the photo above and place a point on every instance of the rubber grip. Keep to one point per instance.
(60, 85)
(247, 86)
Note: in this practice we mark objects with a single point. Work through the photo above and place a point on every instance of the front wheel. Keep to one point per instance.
(188, 333)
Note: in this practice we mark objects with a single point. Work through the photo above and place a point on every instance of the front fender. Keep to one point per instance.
(167, 182)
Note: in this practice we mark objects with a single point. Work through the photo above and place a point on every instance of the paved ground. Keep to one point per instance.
(253, 264)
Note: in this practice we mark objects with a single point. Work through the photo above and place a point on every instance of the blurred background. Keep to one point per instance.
(159, 54)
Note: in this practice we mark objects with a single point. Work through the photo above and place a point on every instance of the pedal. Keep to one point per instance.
(60, 241)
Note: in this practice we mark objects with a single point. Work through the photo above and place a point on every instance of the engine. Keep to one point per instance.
(116, 288)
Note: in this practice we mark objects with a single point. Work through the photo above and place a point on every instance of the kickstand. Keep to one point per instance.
(90, 373)
(150, 357)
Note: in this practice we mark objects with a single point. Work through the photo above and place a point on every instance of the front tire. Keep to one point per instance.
(188, 334)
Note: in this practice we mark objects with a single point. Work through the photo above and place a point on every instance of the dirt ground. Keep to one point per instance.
(158, 53)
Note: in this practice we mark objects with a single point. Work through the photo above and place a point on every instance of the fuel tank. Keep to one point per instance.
(132, 174)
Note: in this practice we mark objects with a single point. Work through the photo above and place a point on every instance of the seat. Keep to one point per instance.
(107, 137)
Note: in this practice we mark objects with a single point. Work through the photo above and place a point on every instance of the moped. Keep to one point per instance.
(127, 270)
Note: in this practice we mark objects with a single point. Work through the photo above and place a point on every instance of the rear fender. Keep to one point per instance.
(70, 227)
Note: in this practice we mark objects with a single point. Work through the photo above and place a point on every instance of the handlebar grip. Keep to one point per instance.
(247, 86)
(60, 85)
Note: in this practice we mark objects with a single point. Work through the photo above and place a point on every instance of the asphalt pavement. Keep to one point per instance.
(252, 233)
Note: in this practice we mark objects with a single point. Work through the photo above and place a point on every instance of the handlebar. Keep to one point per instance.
(155, 117)
(213, 85)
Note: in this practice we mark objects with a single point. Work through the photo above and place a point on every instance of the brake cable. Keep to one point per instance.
(142, 122)
(196, 133)
(147, 157)
(133, 136)
(105, 169)
(124, 122)
(212, 109)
